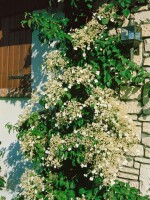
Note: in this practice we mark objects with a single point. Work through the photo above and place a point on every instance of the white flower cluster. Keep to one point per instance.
(77, 75)
(32, 184)
(28, 144)
(109, 113)
(84, 37)
(105, 141)
(25, 115)
(70, 111)
(52, 156)
(28, 109)
(54, 91)
(54, 61)
(102, 152)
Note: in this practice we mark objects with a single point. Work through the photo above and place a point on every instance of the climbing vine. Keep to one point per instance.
(76, 131)
(91, 42)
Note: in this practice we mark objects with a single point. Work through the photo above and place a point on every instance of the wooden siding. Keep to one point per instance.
(15, 57)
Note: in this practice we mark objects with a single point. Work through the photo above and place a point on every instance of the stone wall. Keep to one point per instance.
(137, 99)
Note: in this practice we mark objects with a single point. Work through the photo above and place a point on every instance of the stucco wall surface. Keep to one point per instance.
(10, 108)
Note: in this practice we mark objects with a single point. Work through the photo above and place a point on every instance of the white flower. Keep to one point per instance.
(56, 125)
(69, 86)
(75, 48)
(69, 149)
(94, 171)
(46, 106)
(76, 145)
(91, 178)
(99, 17)
(47, 152)
(88, 48)
(112, 20)
(63, 114)
(59, 76)
(35, 191)
(84, 54)
(65, 89)
(79, 115)
(105, 127)
(82, 165)
(112, 182)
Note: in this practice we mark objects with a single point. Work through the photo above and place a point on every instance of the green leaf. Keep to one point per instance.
(105, 21)
(80, 122)
(81, 191)
(126, 12)
(2, 182)
(72, 185)
(60, 102)
(78, 160)
(89, 6)
(71, 194)
(63, 195)
(122, 3)
(68, 95)
(128, 1)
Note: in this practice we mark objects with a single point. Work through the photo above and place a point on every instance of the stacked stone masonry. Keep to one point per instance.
(137, 102)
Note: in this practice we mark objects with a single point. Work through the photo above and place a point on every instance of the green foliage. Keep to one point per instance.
(2, 198)
(72, 137)
(78, 12)
(105, 53)
(125, 6)
(123, 191)
(50, 27)
(2, 181)
(114, 68)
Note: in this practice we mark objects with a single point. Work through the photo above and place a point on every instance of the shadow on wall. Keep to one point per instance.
(39, 51)
(11, 107)
(14, 101)
(14, 160)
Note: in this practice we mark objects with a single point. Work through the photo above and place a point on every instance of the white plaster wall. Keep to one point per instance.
(10, 108)
(11, 169)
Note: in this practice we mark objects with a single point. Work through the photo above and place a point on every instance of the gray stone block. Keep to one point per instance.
(146, 127)
(144, 179)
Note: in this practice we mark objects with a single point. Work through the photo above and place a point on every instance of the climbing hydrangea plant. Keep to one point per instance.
(79, 134)
(76, 131)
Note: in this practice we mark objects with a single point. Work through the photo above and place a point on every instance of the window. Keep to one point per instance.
(15, 58)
